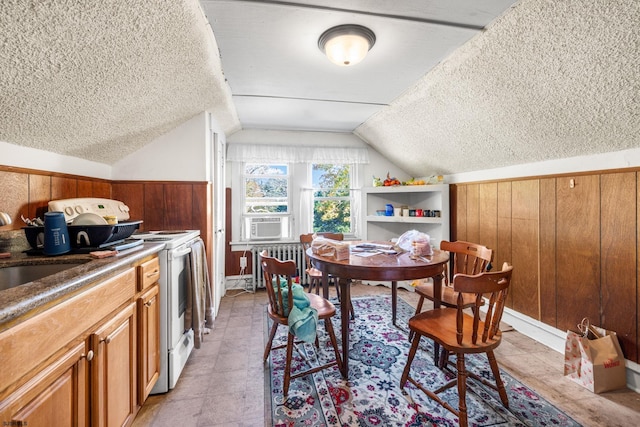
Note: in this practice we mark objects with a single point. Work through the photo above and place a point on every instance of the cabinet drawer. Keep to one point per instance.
(148, 274)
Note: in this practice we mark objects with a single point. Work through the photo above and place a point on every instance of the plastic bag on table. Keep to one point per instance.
(408, 241)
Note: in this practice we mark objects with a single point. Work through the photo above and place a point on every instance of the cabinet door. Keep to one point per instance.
(57, 396)
(148, 342)
(113, 370)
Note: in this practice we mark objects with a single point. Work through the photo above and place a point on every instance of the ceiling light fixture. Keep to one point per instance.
(346, 44)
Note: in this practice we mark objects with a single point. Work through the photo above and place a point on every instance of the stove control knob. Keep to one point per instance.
(68, 210)
(79, 209)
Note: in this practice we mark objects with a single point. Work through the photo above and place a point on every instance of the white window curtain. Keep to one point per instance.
(257, 153)
(306, 210)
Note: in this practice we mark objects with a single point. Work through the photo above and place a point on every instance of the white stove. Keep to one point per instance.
(172, 238)
(176, 341)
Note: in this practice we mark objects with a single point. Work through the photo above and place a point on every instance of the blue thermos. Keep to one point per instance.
(389, 210)
(56, 234)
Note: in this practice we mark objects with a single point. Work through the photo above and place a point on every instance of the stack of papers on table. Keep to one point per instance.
(368, 249)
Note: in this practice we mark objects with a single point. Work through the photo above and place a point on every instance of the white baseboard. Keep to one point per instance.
(554, 339)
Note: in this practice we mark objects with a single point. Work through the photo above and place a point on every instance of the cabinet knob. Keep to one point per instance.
(148, 303)
(90, 355)
(153, 273)
(107, 340)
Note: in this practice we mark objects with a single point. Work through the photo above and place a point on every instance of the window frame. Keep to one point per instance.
(350, 198)
(245, 177)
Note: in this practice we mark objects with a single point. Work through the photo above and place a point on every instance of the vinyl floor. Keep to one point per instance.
(223, 382)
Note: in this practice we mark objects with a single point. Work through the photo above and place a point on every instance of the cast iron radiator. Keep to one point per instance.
(282, 251)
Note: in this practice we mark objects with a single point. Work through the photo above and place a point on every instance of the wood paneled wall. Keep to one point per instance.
(27, 192)
(161, 205)
(573, 242)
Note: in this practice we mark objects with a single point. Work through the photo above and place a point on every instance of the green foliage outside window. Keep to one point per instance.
(331, 198)
(266, 188)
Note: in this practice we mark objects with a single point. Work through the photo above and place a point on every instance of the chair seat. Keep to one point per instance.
(440, 326)
(448, 297)
(314, 273)
(325, 309)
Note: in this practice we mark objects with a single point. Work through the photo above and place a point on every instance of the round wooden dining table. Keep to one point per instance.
(379, 267)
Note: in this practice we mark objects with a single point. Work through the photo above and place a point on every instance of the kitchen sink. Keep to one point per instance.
(16, 275)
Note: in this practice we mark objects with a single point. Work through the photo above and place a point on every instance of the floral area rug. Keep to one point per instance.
(372, 395)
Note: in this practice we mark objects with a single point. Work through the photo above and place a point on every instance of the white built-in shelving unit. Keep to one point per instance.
(425, 197)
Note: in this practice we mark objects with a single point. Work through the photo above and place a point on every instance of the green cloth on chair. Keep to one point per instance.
(303, 319)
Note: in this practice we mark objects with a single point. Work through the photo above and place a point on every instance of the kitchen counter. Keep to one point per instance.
(36, 296)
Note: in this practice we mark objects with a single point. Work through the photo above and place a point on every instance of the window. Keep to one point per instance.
(332, 198)
(266, 188)
(267, 202)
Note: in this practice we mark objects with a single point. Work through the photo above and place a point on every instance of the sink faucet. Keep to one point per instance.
(5, 219)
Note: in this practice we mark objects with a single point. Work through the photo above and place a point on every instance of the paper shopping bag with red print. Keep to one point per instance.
(594, 359)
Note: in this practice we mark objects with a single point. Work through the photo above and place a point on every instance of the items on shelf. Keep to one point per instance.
(394, 182)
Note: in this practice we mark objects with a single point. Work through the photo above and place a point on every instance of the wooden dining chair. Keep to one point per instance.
(315, 275)
(461, 333)
(466, 258)
(275, 272)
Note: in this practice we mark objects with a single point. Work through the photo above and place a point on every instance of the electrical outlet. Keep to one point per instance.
(243, 262)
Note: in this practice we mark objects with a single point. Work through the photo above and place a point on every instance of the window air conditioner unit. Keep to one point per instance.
(265, 228)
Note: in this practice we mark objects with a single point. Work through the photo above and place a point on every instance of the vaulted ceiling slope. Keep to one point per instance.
(98, 80)
(451, 90)
(547, 80)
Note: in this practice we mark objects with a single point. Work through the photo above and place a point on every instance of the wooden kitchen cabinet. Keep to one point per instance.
(90, 360)
(148, 341)
(57, 396)
(113, 370)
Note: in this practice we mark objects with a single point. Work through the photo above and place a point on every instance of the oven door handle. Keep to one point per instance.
(179, 252)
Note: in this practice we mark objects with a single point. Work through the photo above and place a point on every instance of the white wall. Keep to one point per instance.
(179, 155)
(378, 166)
(615, 160)
(183, 154)
(31, 158)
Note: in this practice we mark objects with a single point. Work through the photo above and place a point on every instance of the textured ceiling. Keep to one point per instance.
(547, 80)
(99, 79)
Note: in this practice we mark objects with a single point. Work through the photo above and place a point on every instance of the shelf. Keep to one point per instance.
(407, 188)
(405, 219)
(425, 197)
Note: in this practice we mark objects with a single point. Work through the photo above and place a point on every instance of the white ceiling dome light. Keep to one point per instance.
(346, 45)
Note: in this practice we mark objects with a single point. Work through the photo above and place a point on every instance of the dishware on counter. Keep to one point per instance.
(89, 218)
